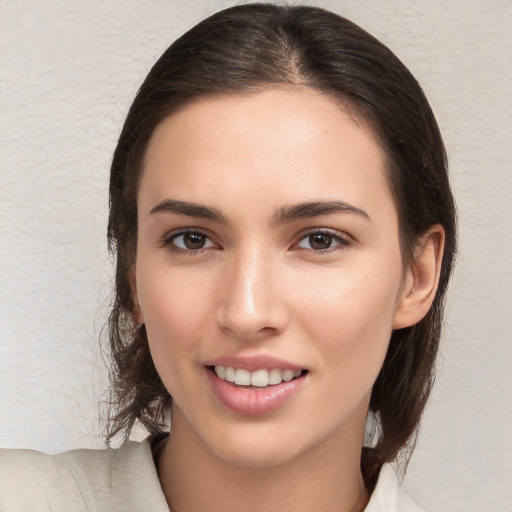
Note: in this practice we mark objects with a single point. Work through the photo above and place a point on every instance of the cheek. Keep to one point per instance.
(176, 309)
(351, 315)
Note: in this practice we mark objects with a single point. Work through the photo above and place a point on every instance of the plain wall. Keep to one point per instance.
(68, 73)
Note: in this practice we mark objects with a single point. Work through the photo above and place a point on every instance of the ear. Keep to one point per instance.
(421, 279)
(136, 314)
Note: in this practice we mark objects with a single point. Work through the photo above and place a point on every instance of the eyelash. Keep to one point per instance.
(169, 242)
(342, 241)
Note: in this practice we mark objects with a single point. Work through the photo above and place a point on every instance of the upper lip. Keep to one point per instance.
(254, 362)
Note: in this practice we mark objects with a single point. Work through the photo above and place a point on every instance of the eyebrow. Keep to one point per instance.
(283, 215)
(189, 209)
(316, 209)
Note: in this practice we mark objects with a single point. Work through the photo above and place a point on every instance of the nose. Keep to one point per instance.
(251, 304)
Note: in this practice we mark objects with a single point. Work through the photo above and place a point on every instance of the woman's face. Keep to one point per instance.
(268, 248)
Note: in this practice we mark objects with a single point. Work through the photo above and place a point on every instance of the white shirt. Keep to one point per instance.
(123, 479)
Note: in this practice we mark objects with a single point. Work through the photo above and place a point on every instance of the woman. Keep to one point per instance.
(284, 233)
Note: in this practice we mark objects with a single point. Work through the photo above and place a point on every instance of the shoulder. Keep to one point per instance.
(388, 496)
(80, 480)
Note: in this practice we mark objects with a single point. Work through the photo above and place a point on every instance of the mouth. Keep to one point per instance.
(262, 378)
(255, 385)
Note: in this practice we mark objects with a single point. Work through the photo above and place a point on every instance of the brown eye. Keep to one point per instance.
(194, 241)
(319, 241)
(323, 241)
(191, 241)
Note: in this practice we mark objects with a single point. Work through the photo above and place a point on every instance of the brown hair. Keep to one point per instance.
(253, 47)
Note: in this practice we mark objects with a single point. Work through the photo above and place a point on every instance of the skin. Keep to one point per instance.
(258, 286)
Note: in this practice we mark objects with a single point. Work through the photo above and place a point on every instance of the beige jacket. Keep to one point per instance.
(122, 479)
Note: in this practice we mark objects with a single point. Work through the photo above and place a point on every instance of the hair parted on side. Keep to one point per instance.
(253, 47)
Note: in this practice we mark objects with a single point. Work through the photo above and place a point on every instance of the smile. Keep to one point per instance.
(259, 378)
(256, 391)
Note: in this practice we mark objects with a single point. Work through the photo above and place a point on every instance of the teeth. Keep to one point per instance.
(242, 377)
(275, 376)
(230, 374)
(288, 375)
(258, 378)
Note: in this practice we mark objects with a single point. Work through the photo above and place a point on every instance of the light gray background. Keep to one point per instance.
(69, 70)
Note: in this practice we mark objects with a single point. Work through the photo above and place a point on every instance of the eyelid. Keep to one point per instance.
(345, 241)
(167, 240)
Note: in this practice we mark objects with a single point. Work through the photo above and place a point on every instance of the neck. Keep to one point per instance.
(326, 478)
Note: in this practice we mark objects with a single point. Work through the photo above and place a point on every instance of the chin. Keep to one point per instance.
(258, 458)
(258, 447)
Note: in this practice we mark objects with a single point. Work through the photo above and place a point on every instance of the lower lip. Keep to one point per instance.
(253, 401)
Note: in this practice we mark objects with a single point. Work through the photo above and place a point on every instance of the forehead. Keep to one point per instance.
(282, 146)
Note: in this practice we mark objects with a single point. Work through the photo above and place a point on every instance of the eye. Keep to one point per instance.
(189, 241)
(323, 241)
